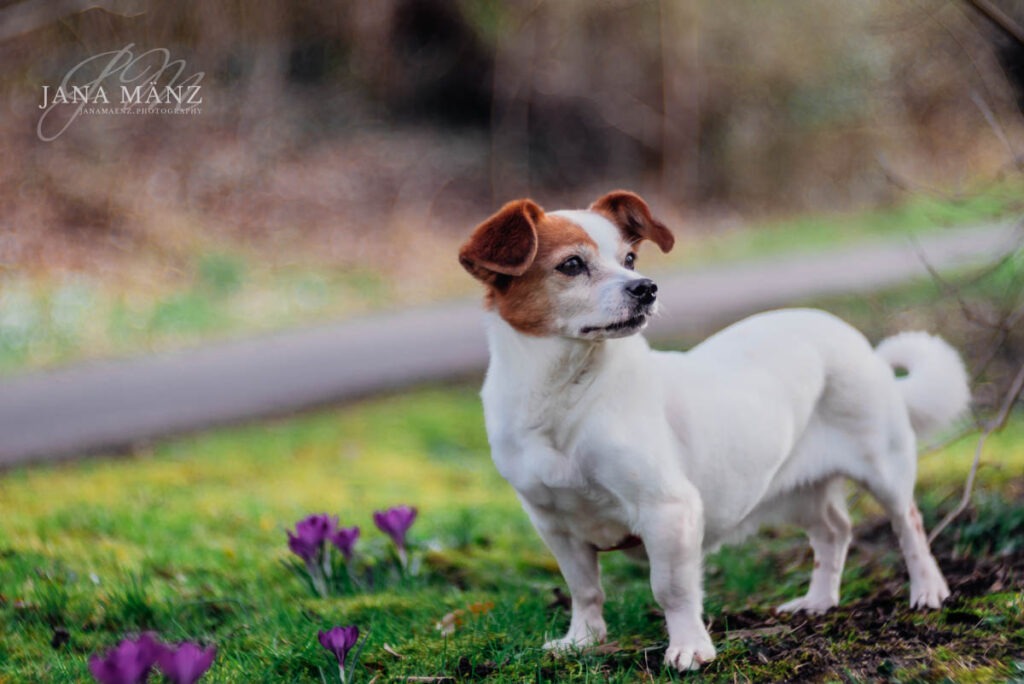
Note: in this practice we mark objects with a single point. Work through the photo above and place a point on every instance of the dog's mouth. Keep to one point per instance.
(628, 324)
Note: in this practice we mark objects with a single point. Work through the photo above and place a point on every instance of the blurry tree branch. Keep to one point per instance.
(269, 59)
(510, 111)
(908, 185)
(1005, 323)
(32, 15)
(1002, 328)
(1002, 323)
(999, 18)
(997, 128)
(680, 115)
(984, 77)
(1009, 399)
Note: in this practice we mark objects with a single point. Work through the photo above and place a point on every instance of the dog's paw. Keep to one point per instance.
(689, 656)
(569, 643)
(928, 594)
(813, 605)
(563, 645)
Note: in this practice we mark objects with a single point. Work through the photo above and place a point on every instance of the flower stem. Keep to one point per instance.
(326, 563)
(341, 674)
(317, 576)
(354, 579)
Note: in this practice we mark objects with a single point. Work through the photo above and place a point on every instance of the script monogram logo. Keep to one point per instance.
(120, 82)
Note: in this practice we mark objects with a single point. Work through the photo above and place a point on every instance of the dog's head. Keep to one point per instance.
(568, 273)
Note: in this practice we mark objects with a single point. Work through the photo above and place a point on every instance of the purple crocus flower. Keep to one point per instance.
(128, 663)
(310, 535)
(303, 548)
(345, 539)
(186, 663)
(395, 522)
(309, 544)
(339, 641)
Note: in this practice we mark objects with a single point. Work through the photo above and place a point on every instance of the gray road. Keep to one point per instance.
(112, 405)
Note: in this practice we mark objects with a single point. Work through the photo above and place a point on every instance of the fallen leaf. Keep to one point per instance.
(393, 652)
(481, 608)
(604, 649)
(449, 622)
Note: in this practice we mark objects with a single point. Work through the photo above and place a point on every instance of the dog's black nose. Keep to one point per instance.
(643, 289)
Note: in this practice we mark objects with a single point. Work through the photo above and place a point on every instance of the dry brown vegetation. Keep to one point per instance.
(377, 133)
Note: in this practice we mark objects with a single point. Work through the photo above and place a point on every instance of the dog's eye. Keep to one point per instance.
(573, 266)
(630, 261)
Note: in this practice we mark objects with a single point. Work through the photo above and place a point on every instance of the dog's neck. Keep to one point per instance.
(555, 364)
(543, 385)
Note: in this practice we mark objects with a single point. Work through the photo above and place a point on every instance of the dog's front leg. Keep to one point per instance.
(673, 533)
(577, 560)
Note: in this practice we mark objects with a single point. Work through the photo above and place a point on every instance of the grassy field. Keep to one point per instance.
(218, 290)
(187, 539)
(917, 215)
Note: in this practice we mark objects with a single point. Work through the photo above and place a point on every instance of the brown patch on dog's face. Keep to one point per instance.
(516, 253)
(567, 274)
(505, 244)
(527, 302)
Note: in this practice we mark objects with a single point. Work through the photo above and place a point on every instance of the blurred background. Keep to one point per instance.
(343, 150)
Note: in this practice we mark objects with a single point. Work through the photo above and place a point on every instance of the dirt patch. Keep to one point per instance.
(879, 636)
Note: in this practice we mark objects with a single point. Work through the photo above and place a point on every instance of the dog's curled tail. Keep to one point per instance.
(935, 387)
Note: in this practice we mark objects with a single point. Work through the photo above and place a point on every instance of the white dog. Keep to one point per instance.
(610, 444)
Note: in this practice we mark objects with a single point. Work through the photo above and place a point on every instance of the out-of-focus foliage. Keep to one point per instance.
(338, 123)
(350, 146)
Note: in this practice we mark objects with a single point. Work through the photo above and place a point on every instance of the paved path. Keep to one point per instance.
(112, 405)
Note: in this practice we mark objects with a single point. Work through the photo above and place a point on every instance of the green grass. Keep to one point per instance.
(915, 216)
(48, 320)
(187, 539)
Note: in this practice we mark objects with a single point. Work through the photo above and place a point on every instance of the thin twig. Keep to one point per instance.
(1003, 334)
(914, 187)
(950, 290)
(1000, 18)
(993, 123)
(1004, 413)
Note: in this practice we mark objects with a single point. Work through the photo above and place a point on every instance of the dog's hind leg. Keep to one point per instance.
(890, 480)
(822, 513)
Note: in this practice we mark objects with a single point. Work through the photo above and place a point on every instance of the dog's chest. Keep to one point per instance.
(559, 489)
(591, 514)
(547, 421)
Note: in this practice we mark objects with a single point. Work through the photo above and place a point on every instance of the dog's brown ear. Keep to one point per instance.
(505, 244)
(633, 217)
